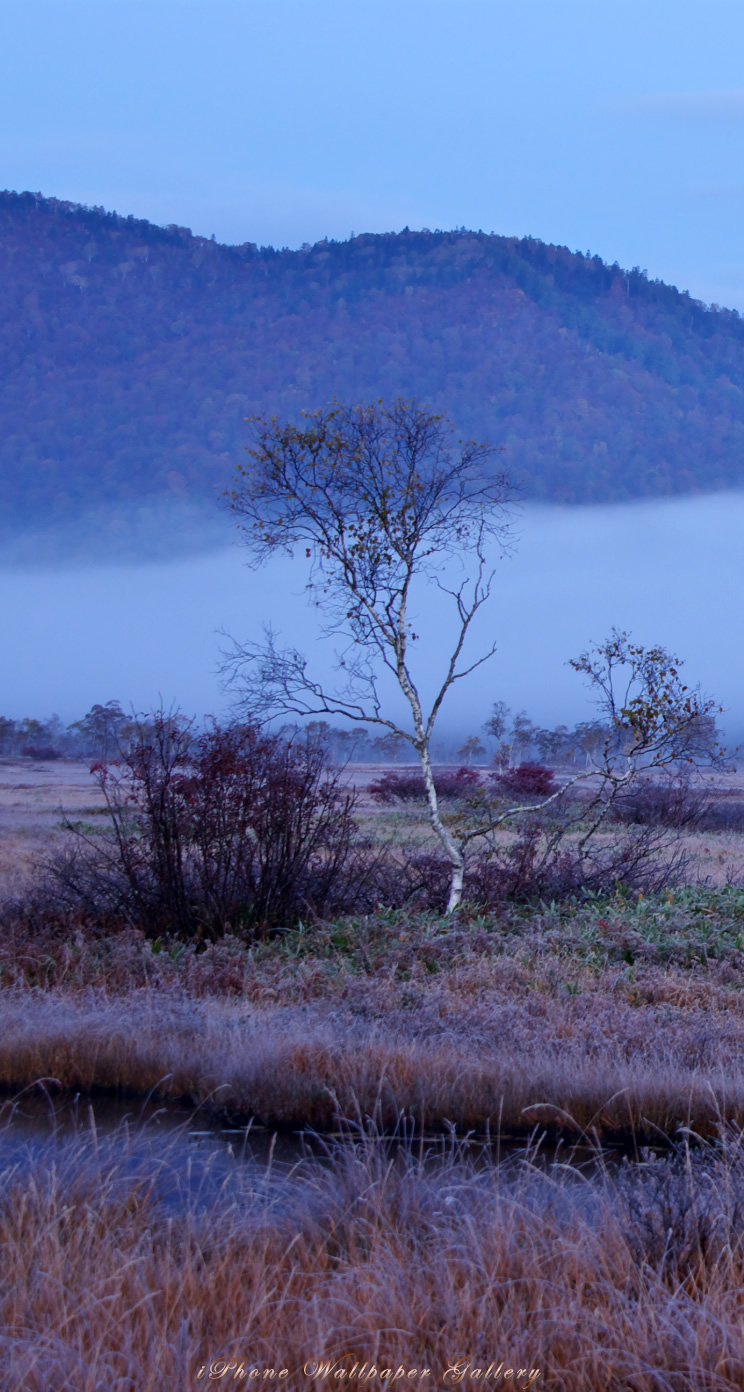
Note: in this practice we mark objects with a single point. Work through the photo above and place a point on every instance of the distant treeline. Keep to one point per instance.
(97, 735)
(132, 354)
(507, 740)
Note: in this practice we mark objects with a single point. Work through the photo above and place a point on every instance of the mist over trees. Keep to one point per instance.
(106, 729)
(132, 354)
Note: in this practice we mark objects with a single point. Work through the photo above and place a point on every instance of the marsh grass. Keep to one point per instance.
(472, 1053)
(603, 1020)
(631, 1279)
(616, 1016)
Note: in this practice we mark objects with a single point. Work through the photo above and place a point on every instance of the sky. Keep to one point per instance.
(611, 129)
(614, 129)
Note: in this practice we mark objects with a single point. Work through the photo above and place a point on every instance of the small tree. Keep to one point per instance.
(496, 726)
(590, 736)
(473, 748)
(650, 722)
(8, 734)
(100, 730)
(376, 497)
(647, 710)
(523, 734)
(389, 747)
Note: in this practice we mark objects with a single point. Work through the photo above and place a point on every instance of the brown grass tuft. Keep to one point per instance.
(632, 1280)
(599, 1074)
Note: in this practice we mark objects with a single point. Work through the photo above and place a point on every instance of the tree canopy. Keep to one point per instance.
(379, 497)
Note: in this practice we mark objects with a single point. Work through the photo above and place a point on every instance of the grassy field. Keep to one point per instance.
(614, 1018)
(617, 1021)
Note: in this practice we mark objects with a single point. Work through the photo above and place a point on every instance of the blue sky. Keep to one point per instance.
(615, 129)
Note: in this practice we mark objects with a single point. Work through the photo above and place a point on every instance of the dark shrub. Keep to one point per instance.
(671, 802)
(726, 815)
(34, 751)
(536, 866)
(407, 785)
(237, 830)
(420, 881)
(529, 780)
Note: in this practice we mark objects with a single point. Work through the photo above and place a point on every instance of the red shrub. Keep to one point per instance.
(529, 780)
(233, 831)
(408, 785)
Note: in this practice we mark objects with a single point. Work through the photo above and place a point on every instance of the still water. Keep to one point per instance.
(187, 1160)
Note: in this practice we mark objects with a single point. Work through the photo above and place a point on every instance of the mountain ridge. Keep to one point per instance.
(131, 355)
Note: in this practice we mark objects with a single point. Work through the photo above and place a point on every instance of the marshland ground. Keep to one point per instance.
(612, 1020)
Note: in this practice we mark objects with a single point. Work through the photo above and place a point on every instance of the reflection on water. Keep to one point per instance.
(174, 1147)
(187, 1160)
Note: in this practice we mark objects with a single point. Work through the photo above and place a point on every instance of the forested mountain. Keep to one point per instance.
(132, 353)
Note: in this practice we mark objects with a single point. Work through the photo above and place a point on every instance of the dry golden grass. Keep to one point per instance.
(633, 1283)
(31, 796)
(614, 1018)
(607, 1019)
(600, 1071)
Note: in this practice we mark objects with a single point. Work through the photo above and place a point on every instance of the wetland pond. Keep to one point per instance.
(188, 1161)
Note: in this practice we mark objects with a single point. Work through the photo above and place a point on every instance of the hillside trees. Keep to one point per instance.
(133, 353)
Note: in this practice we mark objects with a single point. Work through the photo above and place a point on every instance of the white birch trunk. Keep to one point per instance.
(421, 744)
(454, 855)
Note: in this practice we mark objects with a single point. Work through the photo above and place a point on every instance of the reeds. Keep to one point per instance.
(628, 1279)
(512, 1063)
(620, 1018)
(616, 1020)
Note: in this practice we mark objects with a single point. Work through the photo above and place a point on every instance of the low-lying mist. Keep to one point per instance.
(148, 631)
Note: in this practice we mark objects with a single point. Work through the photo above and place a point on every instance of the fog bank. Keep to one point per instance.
(669, 572)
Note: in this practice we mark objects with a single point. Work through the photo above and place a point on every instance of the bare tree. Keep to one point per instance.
(496, 727)
(650, 722)
(377, 498)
